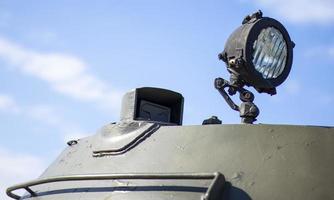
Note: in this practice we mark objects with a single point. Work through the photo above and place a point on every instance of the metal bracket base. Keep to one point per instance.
(247, 109)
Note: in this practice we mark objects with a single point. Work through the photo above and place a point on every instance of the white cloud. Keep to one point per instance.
(319, 11)
(50, 116)
(8, 104)
(65, 74)
(16, 168)
(44, 114)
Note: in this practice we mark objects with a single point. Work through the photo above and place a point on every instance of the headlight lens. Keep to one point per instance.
(270, 53)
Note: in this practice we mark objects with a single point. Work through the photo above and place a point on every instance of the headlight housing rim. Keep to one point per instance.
(252, 36)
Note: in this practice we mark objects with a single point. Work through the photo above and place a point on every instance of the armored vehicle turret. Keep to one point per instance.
(149, 154)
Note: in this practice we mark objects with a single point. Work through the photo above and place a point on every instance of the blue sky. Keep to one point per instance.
(64, 66)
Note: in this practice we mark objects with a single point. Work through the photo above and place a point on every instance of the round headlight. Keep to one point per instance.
(259, 53)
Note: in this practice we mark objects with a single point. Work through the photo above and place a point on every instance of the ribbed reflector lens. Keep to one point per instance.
(270, 53)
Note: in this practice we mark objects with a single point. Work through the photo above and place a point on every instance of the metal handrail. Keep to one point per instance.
(212, 193)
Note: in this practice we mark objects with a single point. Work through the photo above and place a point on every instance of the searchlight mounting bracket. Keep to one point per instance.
(248, 110)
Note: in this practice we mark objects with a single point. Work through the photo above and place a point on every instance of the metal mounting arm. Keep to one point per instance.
(247, 109)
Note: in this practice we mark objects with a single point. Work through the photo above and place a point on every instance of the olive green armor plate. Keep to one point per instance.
(258, 162)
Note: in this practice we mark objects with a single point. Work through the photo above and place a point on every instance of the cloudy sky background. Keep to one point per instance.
(64, 66)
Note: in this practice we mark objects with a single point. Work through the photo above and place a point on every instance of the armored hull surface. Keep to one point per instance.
(257, 161)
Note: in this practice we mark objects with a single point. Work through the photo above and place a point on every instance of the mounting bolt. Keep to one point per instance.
(212, 120)
(72, 142)
(231, 62)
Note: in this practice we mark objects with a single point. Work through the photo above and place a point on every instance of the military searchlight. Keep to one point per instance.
(259, 53)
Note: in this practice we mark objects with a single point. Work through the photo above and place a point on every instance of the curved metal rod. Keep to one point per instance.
(213, 192)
